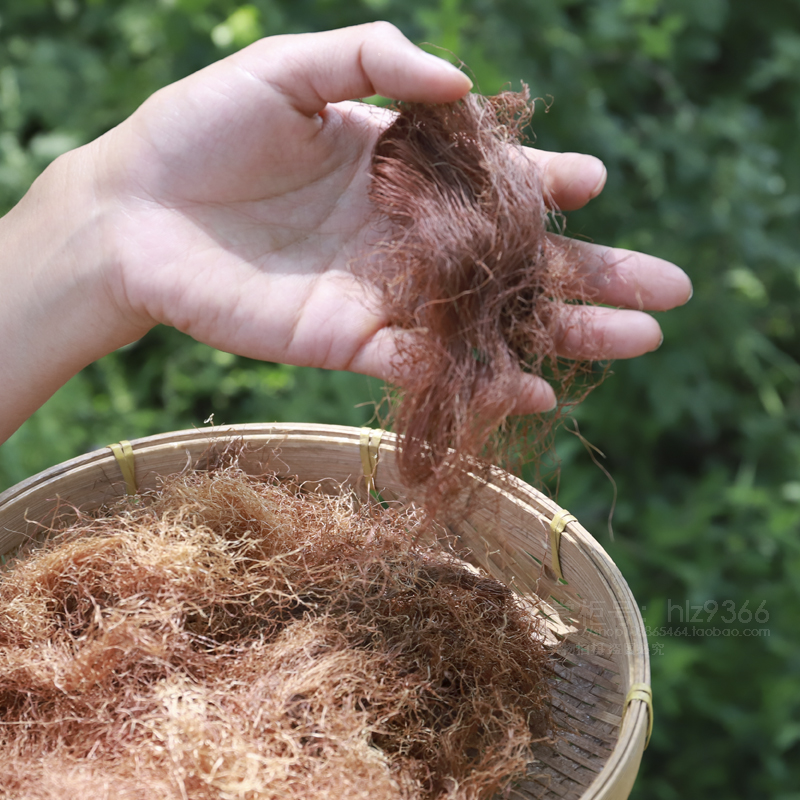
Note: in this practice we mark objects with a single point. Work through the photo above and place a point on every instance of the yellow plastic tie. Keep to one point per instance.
(123, 452)
(643, 692)
(557, 526)
(370, 442)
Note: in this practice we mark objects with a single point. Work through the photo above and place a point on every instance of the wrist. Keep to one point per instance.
(58, 310)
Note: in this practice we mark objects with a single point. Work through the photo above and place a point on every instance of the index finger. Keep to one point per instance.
(570, 180)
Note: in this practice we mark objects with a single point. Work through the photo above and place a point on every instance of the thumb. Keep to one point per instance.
(314, 69)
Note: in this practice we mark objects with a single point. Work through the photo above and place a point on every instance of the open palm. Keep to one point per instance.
(241, 201)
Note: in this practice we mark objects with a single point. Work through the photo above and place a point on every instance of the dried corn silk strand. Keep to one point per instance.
(234, 637)
(467, 271)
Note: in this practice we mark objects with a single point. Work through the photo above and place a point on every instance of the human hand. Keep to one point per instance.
(242, 192)
(231, 204)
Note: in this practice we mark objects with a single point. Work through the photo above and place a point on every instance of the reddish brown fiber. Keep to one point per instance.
(466, 265)
(234, 638)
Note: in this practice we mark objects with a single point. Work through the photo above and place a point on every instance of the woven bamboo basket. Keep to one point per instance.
(601, 698)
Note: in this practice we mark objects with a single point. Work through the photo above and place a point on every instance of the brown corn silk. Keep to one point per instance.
(466, 268)
(236, 637)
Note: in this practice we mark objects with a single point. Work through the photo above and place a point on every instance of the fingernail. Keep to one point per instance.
(602, 175)
(553, 403)
(660, 342)
(448, 66)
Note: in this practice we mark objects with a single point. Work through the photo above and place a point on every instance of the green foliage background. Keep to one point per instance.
(695, 109)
